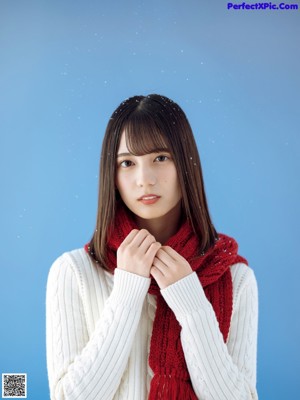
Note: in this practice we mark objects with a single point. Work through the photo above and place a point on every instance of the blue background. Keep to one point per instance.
(66, 65)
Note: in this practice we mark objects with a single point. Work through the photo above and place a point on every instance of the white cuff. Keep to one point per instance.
(185, 296)
(129, 289)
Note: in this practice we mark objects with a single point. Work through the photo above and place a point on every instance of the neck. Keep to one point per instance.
(164, 227)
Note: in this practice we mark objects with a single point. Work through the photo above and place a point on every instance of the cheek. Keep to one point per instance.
(174, 178)
(170, 178)
(118, 181)
(176, 184)
(122, 182)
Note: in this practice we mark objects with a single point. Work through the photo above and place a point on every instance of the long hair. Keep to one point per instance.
(151, 122)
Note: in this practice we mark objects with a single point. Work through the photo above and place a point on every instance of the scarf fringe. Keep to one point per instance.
(171, 388)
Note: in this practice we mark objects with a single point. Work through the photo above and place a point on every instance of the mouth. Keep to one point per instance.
(149, 199)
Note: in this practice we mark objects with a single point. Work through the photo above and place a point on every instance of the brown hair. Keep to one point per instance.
(151, 122)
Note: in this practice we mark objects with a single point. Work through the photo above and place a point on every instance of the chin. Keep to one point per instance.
(148, 215)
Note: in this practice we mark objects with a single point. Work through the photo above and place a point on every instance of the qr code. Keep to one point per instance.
(14, 386)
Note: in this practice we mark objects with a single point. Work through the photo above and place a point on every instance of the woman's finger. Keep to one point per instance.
(172, 253)
(139, 238)
(130, 237)
(157, 275)
(149, 255)
(165, 257)
(162, 267)
(146, 243)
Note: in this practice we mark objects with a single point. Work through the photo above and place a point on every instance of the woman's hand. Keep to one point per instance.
(169, 267)
(137, 251)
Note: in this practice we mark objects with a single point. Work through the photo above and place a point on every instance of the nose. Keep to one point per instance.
(145, 176)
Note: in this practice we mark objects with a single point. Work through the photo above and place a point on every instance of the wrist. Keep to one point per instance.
(129, 288)
(185, 296)
(140, 272)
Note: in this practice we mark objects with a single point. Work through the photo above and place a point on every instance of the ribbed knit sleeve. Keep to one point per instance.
(218, 370)
(89, 365)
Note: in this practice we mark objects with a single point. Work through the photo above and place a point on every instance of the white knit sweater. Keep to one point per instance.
(99, 329)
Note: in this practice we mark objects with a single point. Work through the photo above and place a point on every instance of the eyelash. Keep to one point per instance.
(162, 155)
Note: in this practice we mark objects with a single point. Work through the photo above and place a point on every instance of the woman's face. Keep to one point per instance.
(147, 184)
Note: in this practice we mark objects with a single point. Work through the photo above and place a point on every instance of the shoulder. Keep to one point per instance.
(76, 263)
(76, 259)
(243, 280)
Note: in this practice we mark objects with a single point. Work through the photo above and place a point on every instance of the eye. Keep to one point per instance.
(162, 158)
(126, 163)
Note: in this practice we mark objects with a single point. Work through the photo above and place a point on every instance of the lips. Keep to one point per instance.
(149, 197)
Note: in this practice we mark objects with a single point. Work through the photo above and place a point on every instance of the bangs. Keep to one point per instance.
(143, 135)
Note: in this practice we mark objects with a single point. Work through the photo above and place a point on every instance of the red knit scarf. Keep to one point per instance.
(171, 379)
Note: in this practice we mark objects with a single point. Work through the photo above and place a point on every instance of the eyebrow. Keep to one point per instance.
(124, 154)
(153, 151)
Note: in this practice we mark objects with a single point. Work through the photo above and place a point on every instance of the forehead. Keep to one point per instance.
(141, 141)
(123, 145)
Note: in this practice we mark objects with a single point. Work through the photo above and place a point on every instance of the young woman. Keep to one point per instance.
(157, 305)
